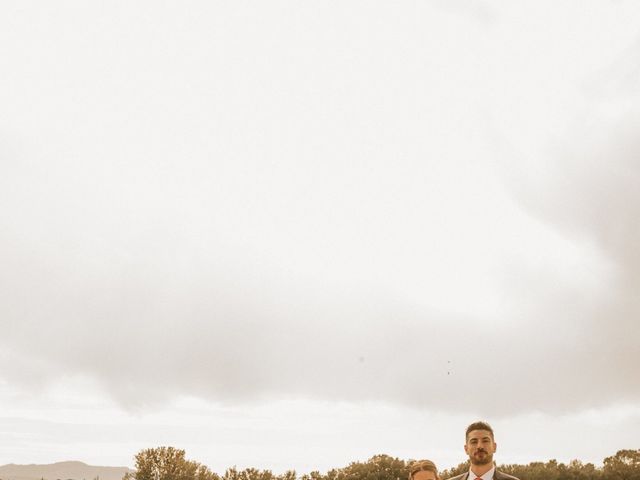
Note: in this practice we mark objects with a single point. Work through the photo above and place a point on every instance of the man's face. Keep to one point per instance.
(480, 447)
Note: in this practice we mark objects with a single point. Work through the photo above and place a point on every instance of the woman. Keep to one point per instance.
(423, 470)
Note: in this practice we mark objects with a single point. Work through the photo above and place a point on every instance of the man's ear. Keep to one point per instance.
(465, 448)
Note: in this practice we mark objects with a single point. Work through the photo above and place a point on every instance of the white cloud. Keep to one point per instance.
(359, 203)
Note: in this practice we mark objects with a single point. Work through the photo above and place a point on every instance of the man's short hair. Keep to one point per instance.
(419, 465)
(478, 426)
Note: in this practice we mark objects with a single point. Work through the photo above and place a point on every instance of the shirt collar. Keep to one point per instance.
(486, 476)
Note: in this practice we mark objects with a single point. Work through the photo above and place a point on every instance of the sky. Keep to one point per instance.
(296, 234)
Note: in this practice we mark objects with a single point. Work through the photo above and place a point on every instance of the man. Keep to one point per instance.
(423, 470)
(480, 446)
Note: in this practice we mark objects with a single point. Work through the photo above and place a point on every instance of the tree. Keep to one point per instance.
(251, 473)
(624, 465)
(288, 475)
(168, 463)
(378, 467)
(453, 471)
(315, 475)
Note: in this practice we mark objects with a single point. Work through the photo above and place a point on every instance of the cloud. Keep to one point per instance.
(584, 184)
(314, 218)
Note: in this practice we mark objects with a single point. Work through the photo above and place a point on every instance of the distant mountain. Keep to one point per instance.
(62, 471)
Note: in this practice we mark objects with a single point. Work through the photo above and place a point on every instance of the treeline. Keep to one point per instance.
(168, 463)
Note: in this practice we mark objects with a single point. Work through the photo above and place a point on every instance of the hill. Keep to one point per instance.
(62, 471)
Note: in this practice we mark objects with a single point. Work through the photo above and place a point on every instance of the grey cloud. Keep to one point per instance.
(154, 239)
(590, 194)
(147, 344)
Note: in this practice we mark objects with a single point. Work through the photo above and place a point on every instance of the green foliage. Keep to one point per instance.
(378, 467)
(315, 475)
(168, 463)
(452, 472)
(288, 475)
(254, 474)
(624, 465)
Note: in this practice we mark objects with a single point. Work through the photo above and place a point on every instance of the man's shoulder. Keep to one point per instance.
(462, 476)
(503, 476)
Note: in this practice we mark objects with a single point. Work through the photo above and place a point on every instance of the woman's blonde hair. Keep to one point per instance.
(419, 465)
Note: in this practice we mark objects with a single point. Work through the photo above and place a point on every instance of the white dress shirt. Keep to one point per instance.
(486, 476)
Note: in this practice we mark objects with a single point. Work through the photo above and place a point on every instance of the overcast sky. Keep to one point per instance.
(295, 234)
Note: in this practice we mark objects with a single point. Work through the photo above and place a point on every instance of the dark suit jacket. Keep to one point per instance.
(497, 475)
